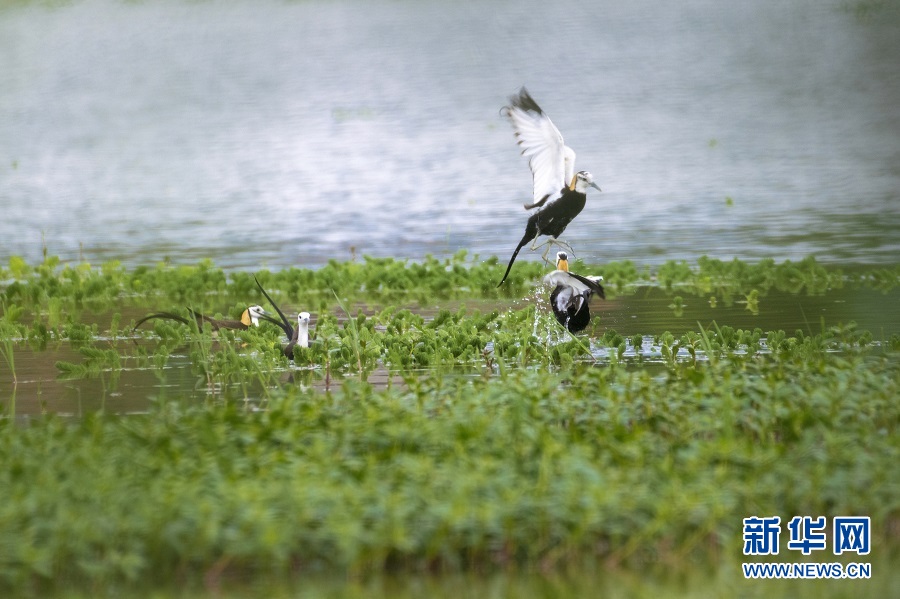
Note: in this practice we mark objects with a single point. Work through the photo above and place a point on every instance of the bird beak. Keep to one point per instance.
(595, 186)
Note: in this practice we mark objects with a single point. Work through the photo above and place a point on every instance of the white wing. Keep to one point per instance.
(552, 163)
(568, 164)
(556, 277)
(567, 279)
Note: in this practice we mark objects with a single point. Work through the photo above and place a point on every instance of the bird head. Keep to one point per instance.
(303, 320)
(252, 315)
(581, 181)
(562, 261)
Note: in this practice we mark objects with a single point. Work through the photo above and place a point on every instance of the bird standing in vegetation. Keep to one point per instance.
(298, 337)
(559, 192)
(249, 317)
(571, 294)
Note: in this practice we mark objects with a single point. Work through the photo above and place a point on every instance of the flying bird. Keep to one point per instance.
(250, 317)
(298, 337)
(571, 294)
(559, 192)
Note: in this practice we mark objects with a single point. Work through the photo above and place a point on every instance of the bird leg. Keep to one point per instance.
(550, 242)
(565, 246)
(547, 251)
(535, 245)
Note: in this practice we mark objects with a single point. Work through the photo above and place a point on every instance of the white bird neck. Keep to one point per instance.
(303, 333)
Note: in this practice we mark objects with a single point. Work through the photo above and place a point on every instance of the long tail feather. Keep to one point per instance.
(284, 324)
(167, 315)
(525, 240)
(200, 318)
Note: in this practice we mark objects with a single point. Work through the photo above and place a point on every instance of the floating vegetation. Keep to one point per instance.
(95, 361)
(82, 286)
(524, 467)
(491, 437)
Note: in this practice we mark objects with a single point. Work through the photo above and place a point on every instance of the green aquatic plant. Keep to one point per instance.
(881, 279)
(38, 335)
(637, 342)
(78, 333)
(674, 273)
(619, 463)
(201, 343)
(7, 351)
(177, 282)
(451, 338)
(627, 456)
(352, 340)
(237, 362)
(10, 330)
(56, 289)
(95, 361)
(752, 302)
(18, 268)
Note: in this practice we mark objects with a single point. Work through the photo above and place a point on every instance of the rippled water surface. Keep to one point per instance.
(279, 133)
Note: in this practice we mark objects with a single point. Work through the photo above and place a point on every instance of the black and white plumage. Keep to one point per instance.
(250, 317)
(571, 295)
(298, 337)
(559, 192)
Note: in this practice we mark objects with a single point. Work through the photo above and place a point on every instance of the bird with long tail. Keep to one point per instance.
(250, 317)
(298, 337)
(560, 193)
(571, 295)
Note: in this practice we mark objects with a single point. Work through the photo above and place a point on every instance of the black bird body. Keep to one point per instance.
(559, 192)
(571, 295)
(551, 221)
(569, 316)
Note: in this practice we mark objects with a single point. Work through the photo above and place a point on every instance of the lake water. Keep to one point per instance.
(277, 133)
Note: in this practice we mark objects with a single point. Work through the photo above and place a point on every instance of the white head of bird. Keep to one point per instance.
(252, 315)
(581, 181)
(303, 329)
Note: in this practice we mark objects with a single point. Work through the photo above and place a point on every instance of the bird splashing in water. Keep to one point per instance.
(571, 294)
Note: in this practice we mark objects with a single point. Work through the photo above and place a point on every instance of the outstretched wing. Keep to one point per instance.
(552, 163)
(577, 283)
(590, 283)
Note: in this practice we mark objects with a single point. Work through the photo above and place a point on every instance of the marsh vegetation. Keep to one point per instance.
(436, 424)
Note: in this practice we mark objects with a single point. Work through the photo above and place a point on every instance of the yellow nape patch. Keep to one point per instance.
(245, 318)
(572, 184)
(562, 265)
